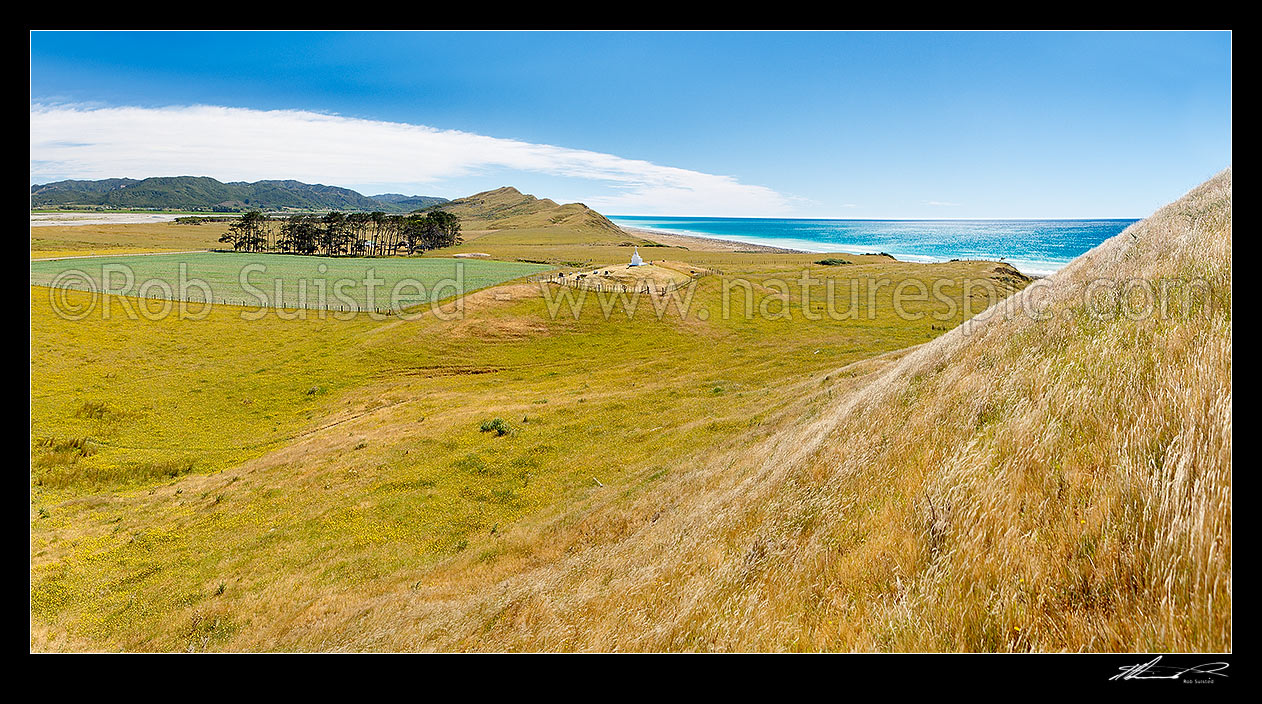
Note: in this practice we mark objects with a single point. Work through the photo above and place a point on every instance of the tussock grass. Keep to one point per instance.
(59, 465)
(98, 410)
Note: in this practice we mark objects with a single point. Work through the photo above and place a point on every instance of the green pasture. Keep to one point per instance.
(280, 280)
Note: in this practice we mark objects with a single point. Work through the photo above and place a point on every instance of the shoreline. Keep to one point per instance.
(703, 243)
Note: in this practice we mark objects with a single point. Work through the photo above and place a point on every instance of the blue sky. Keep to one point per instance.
(854, 125)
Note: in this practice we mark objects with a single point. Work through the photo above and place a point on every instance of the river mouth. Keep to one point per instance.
(71, 219)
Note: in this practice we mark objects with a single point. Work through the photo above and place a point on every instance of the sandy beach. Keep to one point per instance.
(706, 244)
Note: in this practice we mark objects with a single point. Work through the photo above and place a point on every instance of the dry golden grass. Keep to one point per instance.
(81, 240)
(507, 209)
(1015, 485)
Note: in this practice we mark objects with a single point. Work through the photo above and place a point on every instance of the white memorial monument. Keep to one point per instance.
(635, 258)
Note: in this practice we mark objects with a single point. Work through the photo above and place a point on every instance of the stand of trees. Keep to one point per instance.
(335, 234)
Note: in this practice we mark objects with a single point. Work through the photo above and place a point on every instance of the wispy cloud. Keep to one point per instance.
(941, 203)
(244, 144)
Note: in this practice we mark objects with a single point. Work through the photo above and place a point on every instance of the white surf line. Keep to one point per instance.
(131, 254)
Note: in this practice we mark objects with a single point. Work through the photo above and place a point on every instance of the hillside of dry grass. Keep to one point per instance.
(1060, 484)
(509, 209)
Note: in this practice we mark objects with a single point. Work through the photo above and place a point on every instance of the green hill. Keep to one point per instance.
(204, 193)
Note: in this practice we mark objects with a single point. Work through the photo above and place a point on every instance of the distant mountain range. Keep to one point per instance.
(202, 193)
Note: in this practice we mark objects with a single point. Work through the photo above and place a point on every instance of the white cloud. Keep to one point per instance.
(941, 203)
(241, 144)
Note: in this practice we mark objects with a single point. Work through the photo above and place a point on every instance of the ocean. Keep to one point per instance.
(1033, 246)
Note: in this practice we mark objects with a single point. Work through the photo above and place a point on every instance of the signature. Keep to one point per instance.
(1152, 671)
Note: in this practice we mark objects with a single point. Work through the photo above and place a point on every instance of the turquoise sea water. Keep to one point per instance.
(1032, 246)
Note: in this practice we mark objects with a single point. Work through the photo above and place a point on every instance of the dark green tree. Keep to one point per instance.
(247, 233)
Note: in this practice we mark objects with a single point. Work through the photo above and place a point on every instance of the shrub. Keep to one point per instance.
(499, 426)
